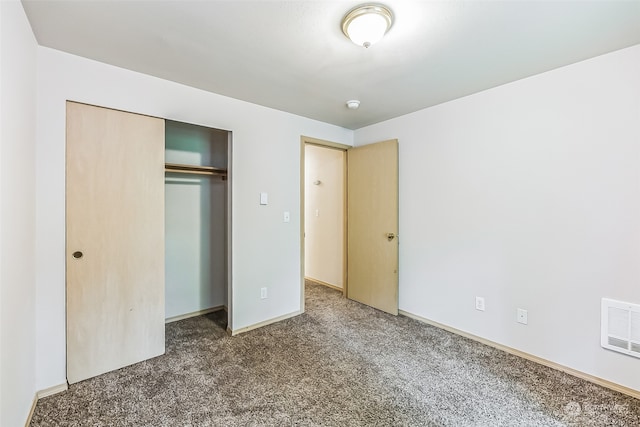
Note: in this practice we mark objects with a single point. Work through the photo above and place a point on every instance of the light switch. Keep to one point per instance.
(264, 199)
(286, 217)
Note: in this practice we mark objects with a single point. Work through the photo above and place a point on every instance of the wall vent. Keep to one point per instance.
(620, 327)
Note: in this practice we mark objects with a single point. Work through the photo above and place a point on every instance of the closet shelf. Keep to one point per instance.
(192, 169)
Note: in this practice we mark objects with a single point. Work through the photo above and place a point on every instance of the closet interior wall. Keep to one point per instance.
(195, 221)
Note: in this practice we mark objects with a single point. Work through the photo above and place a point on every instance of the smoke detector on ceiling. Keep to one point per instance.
(353, 104)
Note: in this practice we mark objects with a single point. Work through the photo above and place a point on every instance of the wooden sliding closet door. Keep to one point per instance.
(115, 239)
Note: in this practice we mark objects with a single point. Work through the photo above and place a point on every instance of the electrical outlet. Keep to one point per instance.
(522, 316)
(286, 217)
(263, 293)
(480, 303)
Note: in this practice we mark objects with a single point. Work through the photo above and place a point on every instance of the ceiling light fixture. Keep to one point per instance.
(367, 24)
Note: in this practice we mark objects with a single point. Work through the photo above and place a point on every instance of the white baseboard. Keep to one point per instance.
(52, 390)
(194, 314)
(33, 408)
(539, 360)
(44, 393)
(235, 332)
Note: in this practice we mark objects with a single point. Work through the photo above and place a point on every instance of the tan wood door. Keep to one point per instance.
(372, 210)
(115, 239)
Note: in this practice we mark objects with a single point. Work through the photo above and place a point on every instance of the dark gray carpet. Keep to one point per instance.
(339, 364)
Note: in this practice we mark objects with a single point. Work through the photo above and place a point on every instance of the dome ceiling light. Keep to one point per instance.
(367, 24)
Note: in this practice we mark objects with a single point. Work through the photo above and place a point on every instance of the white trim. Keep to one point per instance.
(265, 323)
(32, 410)
(194, 314)
(52, 390)
(44, 393)
(578, 374)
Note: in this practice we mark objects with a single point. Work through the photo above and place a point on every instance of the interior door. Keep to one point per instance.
(372, 210)
(115, 239)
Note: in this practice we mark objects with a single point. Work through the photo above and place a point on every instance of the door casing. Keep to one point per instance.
(304, 141)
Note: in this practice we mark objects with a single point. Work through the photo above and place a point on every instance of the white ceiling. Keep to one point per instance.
(292, 55)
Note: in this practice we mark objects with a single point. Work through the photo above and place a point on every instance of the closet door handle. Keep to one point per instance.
(77, 254)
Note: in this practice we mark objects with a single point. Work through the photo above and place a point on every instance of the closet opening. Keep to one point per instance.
(197, 201)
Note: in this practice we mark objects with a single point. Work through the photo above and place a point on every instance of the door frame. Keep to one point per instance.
(304, 141)
(229, 231)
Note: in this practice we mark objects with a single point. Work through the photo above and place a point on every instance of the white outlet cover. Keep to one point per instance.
(523, 316)
(480, 303)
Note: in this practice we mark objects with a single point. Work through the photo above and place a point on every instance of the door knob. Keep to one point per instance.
(390, 236)
(77, 254)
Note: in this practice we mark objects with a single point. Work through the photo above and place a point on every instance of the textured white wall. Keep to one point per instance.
(324, 214)
(265, 158)
(527, 194)
(18, 55)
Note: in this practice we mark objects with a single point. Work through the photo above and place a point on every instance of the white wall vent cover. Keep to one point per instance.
(621, 327)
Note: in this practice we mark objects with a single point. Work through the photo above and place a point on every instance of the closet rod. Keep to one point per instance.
(199, 170)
